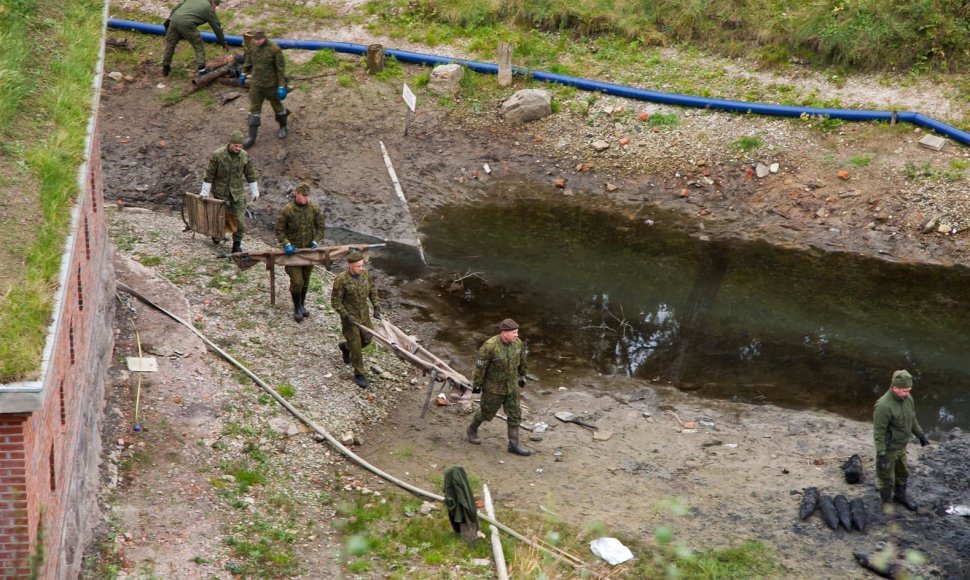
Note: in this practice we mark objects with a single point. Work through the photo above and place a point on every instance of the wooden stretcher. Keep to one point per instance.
(207, 216)
(407, 348)
(322, 256)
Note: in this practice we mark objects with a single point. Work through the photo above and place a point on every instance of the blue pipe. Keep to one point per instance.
(603, 87)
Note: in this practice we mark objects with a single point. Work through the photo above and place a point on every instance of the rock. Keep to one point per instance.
(761, 170)
(933, 142)
(445, 79)
(115, 76)
(527, 105)
(426, 508)
(822, 212)
(930, 225)
(774, 167)
(610, 187)
(347, 438)
(944, 228)
(559, 182)
(600, 145)
(842, 175)
(602, 435)
(481, 562)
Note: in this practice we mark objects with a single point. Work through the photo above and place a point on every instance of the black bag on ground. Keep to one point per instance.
(461, 504)
(853, 469)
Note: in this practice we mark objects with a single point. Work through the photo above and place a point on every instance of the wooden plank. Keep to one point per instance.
(504, 64)
(206, 215)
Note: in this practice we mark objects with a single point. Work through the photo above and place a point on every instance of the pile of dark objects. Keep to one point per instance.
(940, 530)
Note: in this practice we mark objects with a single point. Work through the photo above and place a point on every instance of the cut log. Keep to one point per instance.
(375, 58)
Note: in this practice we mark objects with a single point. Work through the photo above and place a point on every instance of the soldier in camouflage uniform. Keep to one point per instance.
(893, 421)
(183, 23)
(299, 225)
(499, 374)
(267, 67)
(224, 179)
(351, 291)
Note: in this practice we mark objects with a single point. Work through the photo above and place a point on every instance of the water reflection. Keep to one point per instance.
(725, 319)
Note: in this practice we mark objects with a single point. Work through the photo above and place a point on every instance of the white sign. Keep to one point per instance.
(409, 97)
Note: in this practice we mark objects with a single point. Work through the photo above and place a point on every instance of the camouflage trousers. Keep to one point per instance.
(299, 277)
(491, 402)
(258, 94)
(176, 34)
(896, 473)
(356, 339)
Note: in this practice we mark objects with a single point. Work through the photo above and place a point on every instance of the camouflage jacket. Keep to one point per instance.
(226, 171)
(499, 366)
(299, 224)
(195, 13)
(893, 421)
(350, 294)
(265, 65)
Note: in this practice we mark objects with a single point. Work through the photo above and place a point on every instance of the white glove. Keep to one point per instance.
(253, 192)
(206, 188)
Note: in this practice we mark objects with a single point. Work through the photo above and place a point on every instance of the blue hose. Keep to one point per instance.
(603, 87)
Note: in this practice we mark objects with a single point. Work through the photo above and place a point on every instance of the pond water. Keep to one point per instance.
(598, 293)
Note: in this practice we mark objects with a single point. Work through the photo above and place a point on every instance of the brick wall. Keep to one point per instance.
(49, 452)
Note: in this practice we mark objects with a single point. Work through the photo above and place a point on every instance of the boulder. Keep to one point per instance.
(527, 105)
(445, 79)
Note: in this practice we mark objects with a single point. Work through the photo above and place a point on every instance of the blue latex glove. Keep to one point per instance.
(313, 245)
(242, 80)
(281, 92)
(289, 249)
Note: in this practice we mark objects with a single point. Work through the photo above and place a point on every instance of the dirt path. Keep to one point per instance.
(153, 154)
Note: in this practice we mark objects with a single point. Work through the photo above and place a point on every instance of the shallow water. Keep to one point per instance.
(725, 319)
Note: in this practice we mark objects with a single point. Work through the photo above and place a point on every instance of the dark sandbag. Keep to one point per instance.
(887, 571)
(858, 509)
(809, 502)
(829, 515)
(842, 509)
(853, 469)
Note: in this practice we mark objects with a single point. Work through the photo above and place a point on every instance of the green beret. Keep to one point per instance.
(236, 138)
(507, 324)
(354, 256)
(902, 379)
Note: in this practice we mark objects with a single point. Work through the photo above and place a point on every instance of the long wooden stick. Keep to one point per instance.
(500, 571)
(400, 194)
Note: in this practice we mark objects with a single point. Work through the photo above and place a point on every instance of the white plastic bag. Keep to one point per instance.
(611, 550)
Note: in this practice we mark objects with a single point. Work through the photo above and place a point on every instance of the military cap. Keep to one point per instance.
(507, 324)
(236, 138)
(902, 379)
(303, 188)
(217, 2)
(354, 256)
(259, 34)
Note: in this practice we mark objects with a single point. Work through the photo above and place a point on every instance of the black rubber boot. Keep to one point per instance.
(202, 71)
(297, 306)
(166, 70)
(900, 497)
(281, 119)
(344, 352)
(886, 495)
(236, 247)
(361, 381)
(303, 302)
(254, 122)
(472, 432)
(216, 240)
(514, 446)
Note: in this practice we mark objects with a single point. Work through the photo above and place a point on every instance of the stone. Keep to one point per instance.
(944, 228)
(116, 76)
(602, 435)
(761, 170)
(283, 427)
(600, 145)
(445, 79)
(774, 167)
(527, 105)
(933, 142)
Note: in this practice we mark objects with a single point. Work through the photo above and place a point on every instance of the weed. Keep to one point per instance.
(199, 560)
(148, 260)
(345, 80)
(747, 144)
(285, 390)
(860, 160)
(663, 119)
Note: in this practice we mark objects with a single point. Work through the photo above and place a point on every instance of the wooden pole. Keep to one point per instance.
(375, 58)
(271, 266)
(427, 398)
(500, 571)
(504, 64)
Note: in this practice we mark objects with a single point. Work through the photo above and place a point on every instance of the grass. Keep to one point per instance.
(747, 144)
(49, 52)
(390, 532)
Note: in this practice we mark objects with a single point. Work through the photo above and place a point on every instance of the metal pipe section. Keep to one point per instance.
(599, 86)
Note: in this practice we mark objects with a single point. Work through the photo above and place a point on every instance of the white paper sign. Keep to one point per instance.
(409, 97)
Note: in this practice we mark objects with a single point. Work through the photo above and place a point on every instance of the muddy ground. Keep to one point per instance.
(740, 472)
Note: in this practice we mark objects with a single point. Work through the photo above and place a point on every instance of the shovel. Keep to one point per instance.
(568, 417)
